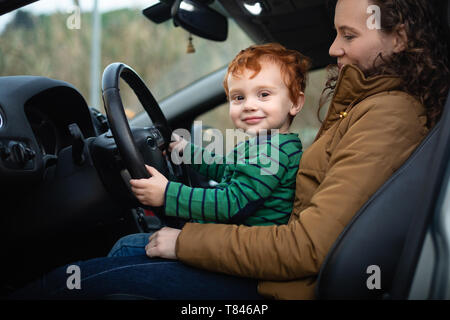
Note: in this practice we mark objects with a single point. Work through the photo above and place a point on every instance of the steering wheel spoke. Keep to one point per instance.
(150, 143)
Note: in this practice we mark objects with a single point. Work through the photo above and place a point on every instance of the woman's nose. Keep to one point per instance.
(335, 49)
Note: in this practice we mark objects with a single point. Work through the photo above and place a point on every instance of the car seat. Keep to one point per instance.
(387, 233)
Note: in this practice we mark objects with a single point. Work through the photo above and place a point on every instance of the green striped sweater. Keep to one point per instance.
(256, 183)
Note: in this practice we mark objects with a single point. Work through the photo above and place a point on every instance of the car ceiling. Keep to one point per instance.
(303, 25)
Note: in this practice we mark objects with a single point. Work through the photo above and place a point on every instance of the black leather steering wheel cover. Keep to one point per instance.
(118, 121)
(132, 157)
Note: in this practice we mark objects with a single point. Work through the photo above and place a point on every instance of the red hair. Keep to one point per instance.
(293, 65)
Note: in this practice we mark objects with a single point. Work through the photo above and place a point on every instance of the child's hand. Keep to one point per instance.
(150, 191)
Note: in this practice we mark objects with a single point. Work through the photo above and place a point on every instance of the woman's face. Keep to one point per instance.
(355, 42)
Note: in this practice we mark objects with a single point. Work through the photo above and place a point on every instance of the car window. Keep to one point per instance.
(306, 123)
(54, 39)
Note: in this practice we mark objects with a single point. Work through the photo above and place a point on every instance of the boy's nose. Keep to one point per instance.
(250, 105)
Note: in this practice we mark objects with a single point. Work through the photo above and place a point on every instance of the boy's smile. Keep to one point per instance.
(253, 120)
(261, 102)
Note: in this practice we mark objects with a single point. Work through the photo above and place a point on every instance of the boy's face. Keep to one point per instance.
(261, 102)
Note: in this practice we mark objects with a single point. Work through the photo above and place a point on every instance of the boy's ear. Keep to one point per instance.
(297, 106)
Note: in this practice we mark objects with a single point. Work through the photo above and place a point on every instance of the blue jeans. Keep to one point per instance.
(131, 245)
(135, 276)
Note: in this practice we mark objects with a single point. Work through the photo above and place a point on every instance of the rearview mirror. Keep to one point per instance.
(199, 19)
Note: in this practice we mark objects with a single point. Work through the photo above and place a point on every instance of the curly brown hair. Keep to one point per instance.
(423, 65)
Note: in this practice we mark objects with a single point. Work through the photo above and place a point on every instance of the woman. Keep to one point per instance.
(390, 91)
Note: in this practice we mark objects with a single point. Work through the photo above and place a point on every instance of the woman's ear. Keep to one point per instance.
(296, 107)
(400, 38)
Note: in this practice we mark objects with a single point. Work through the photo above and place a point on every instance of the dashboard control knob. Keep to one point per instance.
(19, 154)
(29, 153)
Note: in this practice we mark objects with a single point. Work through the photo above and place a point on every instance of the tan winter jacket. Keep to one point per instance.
(370, 130)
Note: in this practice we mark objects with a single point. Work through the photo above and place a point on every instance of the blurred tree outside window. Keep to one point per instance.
(35, 42)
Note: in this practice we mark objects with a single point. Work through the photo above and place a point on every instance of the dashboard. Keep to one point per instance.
(35, 113)
(60, 205)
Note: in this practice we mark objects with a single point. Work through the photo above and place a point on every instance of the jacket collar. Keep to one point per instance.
(352, 87)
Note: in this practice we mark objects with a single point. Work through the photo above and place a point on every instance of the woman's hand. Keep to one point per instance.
(150, 191)
(162, 243)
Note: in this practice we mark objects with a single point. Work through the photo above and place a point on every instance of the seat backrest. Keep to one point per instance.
(376, 235)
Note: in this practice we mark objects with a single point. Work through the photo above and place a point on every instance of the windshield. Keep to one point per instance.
(61, 40)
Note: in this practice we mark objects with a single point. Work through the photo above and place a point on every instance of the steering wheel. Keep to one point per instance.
(141, 146)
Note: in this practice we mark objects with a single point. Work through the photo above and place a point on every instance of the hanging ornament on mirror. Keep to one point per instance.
(190, 47)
